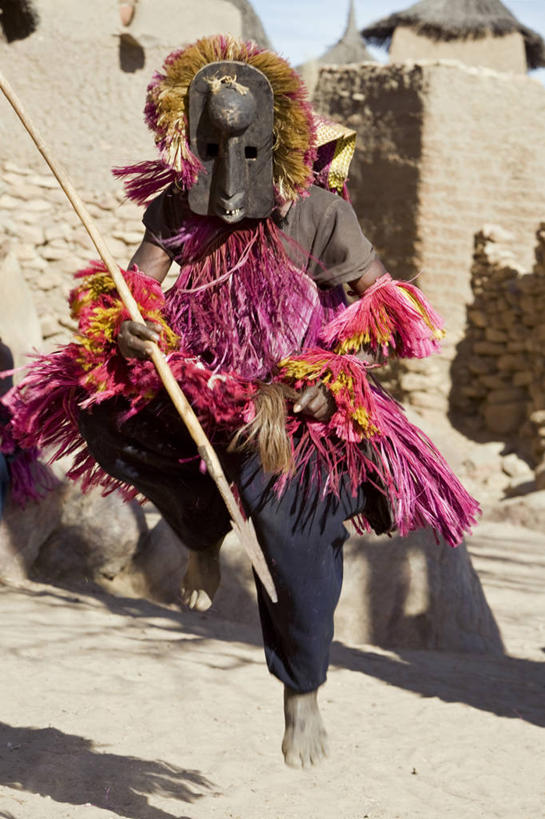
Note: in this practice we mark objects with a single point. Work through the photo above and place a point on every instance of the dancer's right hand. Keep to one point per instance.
(134, 337)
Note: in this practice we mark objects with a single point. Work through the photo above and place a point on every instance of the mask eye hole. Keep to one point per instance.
(212, 149)
(250, 152)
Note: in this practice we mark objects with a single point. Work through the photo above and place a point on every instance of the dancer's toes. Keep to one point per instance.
(202, 579)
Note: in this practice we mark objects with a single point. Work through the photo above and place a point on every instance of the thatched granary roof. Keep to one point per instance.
(458, 19)
(350, 48)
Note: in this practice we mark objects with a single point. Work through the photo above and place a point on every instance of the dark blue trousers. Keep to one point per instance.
(301, 533)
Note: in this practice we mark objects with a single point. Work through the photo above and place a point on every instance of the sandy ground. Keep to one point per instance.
(117, 707)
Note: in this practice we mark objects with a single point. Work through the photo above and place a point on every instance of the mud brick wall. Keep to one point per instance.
(498, 377)
(442, 149)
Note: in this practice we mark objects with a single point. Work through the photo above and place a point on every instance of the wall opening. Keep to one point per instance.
(18, 19)
(132, 56)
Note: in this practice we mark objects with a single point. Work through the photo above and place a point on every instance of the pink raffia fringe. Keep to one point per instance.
(44, 407)
(239, 302)
(391, 317)
(368, 438)
(30, 479)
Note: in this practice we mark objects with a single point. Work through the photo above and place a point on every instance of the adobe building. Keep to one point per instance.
(442, 148)
(81, 71)
(476, 32)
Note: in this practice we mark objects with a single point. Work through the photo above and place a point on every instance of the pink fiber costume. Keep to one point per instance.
(258, 305)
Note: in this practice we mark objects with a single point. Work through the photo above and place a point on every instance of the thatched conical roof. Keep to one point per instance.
(458, 19)
(350, 48)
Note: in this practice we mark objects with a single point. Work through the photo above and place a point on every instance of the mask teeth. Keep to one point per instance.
(234, 212)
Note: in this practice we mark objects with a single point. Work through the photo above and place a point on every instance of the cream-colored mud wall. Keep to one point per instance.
(482, 161)
(69, 76)
(442, 148)
(505, 53)
(385, 106)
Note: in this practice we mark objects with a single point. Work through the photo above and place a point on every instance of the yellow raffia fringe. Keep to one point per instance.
(358, 414)
(304, 371)
(345, 144)
(292, 131)
(103, 325)
(437, 332)
(382, 334)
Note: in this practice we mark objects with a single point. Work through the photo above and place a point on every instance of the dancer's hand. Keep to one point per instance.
(134, 337)
(317, 402)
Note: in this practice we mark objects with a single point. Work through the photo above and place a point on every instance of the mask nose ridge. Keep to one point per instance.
(231, 173)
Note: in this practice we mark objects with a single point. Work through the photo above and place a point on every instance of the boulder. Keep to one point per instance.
(414, 592)
(526, 511)
(158, 569)
(96, 537)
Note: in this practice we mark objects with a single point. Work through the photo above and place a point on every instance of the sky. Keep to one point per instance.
(302, 29)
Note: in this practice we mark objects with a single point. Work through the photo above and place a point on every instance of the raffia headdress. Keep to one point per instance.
(166, 113)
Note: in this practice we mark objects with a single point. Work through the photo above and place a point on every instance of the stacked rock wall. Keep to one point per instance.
(498, 376)
(42, 232)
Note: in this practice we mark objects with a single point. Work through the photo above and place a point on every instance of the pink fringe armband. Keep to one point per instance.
(369, 438)
(391, 317)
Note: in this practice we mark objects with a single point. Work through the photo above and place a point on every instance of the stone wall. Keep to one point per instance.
(41, 231)
(442, 148)
(498, 376)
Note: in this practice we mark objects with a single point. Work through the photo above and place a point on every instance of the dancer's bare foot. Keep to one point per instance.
(202, 578)
(305, 738)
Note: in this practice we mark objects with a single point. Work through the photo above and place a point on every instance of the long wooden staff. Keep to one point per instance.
(243, 528)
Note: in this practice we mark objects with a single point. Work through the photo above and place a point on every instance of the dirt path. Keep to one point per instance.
(117, 707)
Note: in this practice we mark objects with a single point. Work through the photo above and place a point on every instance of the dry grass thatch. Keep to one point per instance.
(458, 19)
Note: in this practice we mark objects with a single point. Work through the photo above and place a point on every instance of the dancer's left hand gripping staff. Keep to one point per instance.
(244, 529)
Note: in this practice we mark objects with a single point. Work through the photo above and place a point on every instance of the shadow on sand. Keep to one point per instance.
(504, 686)
(70, 770)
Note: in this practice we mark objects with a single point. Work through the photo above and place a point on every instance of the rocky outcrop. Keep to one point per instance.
(96, 536)
(414, 592)
(23, 532)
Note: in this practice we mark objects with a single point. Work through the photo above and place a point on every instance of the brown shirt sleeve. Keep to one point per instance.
(164, 217)
(346, 253)
(323, 235)
(327, 239)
